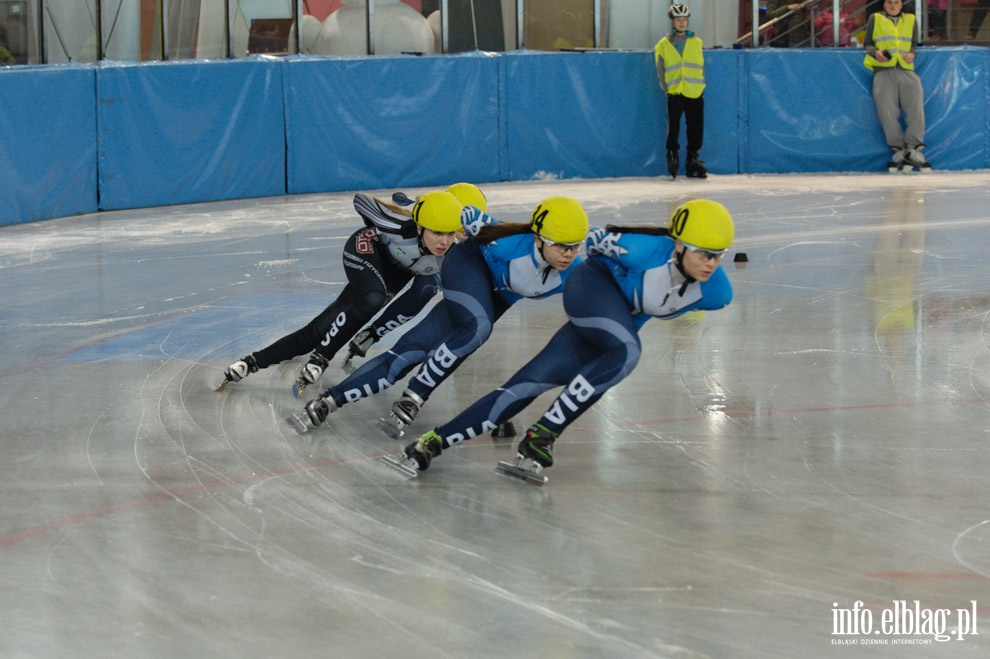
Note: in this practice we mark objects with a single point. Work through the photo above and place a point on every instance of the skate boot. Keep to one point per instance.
(360, 344)
(535, 453)
(915, 158)
(310, 373)
(896, 161)
(403, 413)
(416, 456)
(238, 371)
(316, 412)
(695, 168)
(673, 163)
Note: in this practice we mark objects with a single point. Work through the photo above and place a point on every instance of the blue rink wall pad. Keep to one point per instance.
(81, 138)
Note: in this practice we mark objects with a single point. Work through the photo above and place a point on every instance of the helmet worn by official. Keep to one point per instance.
(679, 11)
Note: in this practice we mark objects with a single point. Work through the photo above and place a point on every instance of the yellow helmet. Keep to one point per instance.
(703, 224)
(469, 194)
(559, 220)
(438, 211)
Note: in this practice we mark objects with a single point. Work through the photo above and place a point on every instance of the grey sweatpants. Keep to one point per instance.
(895, 89)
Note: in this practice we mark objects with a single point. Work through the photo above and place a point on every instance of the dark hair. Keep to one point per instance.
(492, 232)
(649, 230)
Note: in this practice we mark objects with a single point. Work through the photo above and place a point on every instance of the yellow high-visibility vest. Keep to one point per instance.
(895, 38)
(683, 74)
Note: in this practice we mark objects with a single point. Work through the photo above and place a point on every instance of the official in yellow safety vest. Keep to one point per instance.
(680, 65)
(890, 44)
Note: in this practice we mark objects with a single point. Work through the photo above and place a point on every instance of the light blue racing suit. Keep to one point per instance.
(626, 280)
(479, 284)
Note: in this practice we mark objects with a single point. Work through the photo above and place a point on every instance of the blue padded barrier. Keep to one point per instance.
(47, 142)
(80, 138)
(190, 131)
(812, 111)
(388, 122)
(585, 114)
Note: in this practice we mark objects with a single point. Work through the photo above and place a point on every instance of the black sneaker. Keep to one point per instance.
(673, 163)
(537, 445)
(695, 167)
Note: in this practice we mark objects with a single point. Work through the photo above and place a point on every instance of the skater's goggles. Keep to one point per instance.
(707, 254)
(564, 247)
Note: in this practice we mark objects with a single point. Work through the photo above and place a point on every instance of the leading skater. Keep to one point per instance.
(631, 275)
(379, 260)
(482, 277)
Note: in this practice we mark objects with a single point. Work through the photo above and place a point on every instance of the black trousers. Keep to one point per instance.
(372, 279)
(693, 110)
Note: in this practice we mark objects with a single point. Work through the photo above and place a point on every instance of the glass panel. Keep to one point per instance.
(70, 31)
(479, 25)
(181, 28)
(122, 30)
(260, 26)
(404, 27)
(636, 23)
(558, 24)
(16, 17)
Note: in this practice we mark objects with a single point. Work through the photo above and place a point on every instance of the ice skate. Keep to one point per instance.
(238, 371)
(916, 159)
(359, 345)
(535, 453)
(896, 161)
(416, 457)
(310, 373)
(695, 168)
(403, 413)
(673, 163)
(313, 415)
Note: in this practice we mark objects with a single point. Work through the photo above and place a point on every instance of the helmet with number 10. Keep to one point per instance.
(703, 224)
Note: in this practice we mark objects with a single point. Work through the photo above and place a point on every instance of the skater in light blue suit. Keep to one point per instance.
(482, 277)
(630, 276)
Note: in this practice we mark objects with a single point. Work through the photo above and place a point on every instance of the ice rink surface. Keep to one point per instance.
(803, 469)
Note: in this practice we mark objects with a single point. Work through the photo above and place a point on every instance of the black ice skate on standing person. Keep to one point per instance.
(680, 65)
(379, 260)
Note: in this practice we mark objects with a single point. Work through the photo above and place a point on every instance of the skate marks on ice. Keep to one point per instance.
(762, 462)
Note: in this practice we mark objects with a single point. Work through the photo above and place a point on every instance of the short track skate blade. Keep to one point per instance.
(389, 429)
(300, 424)
(223, 383)
(298, 388)
(400, 466)
(509, 469)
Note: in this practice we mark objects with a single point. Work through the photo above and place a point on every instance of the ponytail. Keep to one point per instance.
(492, 232)
(648, 230)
